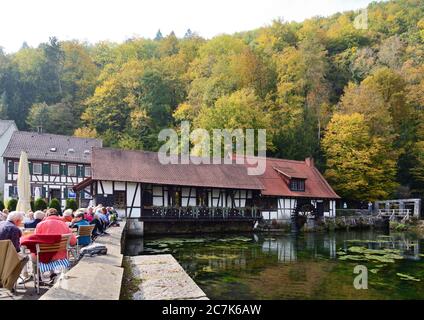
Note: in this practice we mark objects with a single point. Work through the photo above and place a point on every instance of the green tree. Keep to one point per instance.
(40, 204)
(71, 204)
(11, 204)
(57, 118)
(240, 110)
(55, 203)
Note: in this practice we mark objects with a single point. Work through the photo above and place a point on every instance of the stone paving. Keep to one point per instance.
(163, 278)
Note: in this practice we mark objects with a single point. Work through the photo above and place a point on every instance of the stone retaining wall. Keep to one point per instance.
(163, 278)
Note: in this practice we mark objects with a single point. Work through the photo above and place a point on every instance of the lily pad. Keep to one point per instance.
(351, 257)
(379, 258)
(407, 277)
(357, 249)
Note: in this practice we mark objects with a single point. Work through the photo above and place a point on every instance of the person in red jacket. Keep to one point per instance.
(53, 224)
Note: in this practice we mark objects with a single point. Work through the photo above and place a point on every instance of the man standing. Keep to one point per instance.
(9, 229)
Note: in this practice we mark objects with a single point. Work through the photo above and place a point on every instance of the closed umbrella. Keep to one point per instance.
(37, 193)
(24, 189)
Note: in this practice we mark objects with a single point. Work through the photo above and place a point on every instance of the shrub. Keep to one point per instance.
(40, 204)
(54, 203)
(71, 204)
(1, 205)
(32, 205)
(11, 204)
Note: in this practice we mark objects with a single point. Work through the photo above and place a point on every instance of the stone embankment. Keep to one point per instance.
(161, 277)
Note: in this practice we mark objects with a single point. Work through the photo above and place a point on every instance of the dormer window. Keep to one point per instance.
(297, 185)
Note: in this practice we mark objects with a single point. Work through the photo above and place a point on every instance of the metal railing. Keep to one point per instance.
(394, 213)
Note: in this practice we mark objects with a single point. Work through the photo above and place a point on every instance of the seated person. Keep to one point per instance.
(103, 216)
(39, 216)
(80, 221)
(9, 229)
(98, 226)
(89, 214)
(67, 215)
(113, 217)
(53, 224)
(28, 217)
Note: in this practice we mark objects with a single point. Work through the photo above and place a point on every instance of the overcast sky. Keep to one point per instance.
(34, 21)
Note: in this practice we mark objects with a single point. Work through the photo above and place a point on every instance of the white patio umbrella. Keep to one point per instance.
(24, 188)
(37, 193)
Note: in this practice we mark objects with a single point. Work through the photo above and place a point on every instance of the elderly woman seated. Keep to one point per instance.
(68, 215)
(38, 217)
(50, 230)
(9, 229)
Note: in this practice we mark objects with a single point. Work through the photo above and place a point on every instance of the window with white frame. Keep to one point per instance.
(72, 171)
(87, 172)
(37, 168)
(54, 169)
(15, 167)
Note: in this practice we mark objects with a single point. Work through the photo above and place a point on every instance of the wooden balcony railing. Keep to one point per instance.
(201, 213)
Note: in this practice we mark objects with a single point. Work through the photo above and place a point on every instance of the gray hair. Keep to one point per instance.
(67, 212)
(39, 215)
(15, 216)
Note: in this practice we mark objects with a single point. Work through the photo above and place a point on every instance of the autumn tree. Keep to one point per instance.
(359, 166)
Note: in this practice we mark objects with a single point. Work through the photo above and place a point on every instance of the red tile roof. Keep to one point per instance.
(142, 166)
(279, 171)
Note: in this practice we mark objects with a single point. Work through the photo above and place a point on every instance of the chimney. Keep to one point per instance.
(39, 129)
(309, 161)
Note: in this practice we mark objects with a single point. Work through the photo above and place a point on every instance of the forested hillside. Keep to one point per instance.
(351, 98)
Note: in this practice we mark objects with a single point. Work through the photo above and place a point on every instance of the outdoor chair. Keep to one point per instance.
(84, 231)
(63, 265)
(11, 264)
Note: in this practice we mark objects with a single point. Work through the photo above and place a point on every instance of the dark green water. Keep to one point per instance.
(306, 266)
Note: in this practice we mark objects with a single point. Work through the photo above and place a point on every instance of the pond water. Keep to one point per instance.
(304, 266)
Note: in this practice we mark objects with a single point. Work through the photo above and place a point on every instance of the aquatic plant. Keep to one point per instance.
(367, 254)
(352, 257)
(407, 277)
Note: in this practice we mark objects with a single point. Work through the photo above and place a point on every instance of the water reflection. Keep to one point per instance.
(224, 250)
(292, 266)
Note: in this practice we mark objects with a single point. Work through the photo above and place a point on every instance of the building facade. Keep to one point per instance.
(295, 186)
(7, 127)
(139, 186)
(56, 163)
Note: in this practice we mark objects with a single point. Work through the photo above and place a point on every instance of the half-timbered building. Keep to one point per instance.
(56, 164)
(295, 186)
(139, 186)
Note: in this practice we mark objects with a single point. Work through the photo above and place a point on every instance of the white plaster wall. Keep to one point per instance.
(4, 141)
(131, 190)
(135, 213)
(120, 186)
(107, 186)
